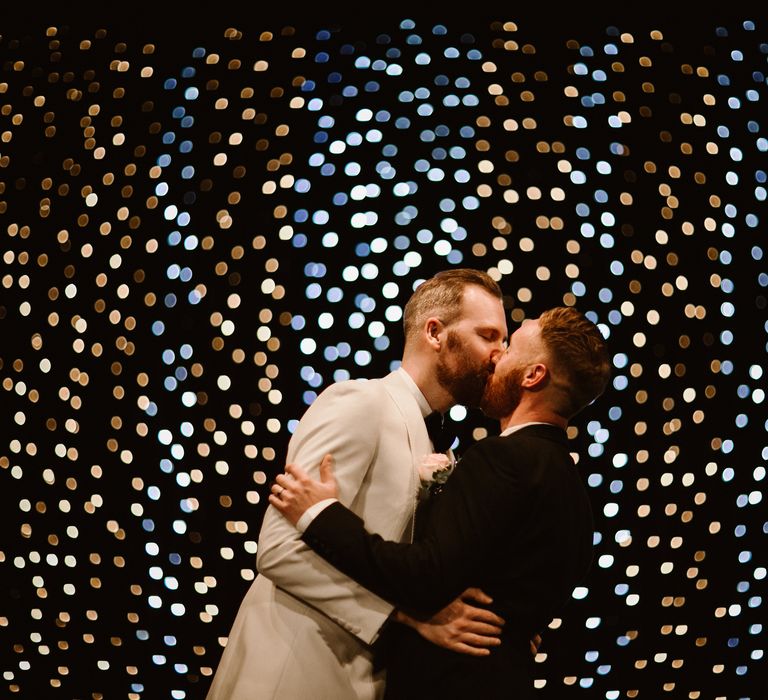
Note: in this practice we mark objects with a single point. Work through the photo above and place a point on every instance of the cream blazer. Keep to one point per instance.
(303, 630)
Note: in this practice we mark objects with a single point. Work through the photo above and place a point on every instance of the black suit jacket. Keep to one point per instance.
(515, 520)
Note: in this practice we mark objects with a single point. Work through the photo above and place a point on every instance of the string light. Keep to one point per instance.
(198, 239)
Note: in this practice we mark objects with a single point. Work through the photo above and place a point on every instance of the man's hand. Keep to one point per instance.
(295, 491)
(459, 626)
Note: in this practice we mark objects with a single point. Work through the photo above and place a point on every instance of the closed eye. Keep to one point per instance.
(493, 337)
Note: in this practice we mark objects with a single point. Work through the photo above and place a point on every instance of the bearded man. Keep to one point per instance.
(304, 630)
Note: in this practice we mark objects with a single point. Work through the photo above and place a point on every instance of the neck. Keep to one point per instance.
(437, 397)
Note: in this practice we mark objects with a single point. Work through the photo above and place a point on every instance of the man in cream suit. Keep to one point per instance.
(304, 631)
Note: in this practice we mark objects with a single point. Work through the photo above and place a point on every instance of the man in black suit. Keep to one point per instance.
(514, 519)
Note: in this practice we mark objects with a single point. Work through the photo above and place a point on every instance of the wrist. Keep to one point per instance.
(403, 618)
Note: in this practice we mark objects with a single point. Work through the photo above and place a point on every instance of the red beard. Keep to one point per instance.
(503, 393)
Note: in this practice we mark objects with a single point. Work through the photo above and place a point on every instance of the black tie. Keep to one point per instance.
(440, 434)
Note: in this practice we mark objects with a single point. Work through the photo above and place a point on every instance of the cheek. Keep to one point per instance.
(481, 353)
(490, 349)
(482, 360)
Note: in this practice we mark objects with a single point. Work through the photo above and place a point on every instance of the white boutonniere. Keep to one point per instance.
(434, 471)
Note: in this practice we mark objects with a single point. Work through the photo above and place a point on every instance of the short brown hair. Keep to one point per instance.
(579, 355)
(442, 295)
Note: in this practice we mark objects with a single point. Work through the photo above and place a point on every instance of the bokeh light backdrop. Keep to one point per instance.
(203, 225)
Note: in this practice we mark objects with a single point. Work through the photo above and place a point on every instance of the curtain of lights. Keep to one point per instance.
(200, 230)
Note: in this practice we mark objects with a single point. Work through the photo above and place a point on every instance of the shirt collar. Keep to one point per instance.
(414, 389)
(515, 428)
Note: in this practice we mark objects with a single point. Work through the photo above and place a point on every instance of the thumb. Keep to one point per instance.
(326, 469)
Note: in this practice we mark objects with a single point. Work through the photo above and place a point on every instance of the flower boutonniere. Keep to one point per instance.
(434, 471)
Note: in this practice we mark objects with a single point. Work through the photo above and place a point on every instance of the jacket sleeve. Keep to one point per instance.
(343, 420)
(478, 509)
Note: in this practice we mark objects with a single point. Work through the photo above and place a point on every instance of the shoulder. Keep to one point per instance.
(497, 445)
(359, 395)
(536, 436)
(526, 449)
(362, 388)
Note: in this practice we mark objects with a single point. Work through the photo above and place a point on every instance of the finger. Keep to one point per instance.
(470, 650)
(479, 640)
(282, 481)
(326, 468)
(491, 618)
(477, 595)
(294, 471)
(482, 628)
(276, 502)
(482, 615)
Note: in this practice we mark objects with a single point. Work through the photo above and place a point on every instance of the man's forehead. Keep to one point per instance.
(488, 322)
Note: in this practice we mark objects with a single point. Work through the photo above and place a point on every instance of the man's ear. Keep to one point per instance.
(432, 328)
(534, 376)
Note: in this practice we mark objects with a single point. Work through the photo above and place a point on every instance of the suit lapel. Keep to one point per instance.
(409, 409)
(418, 439)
